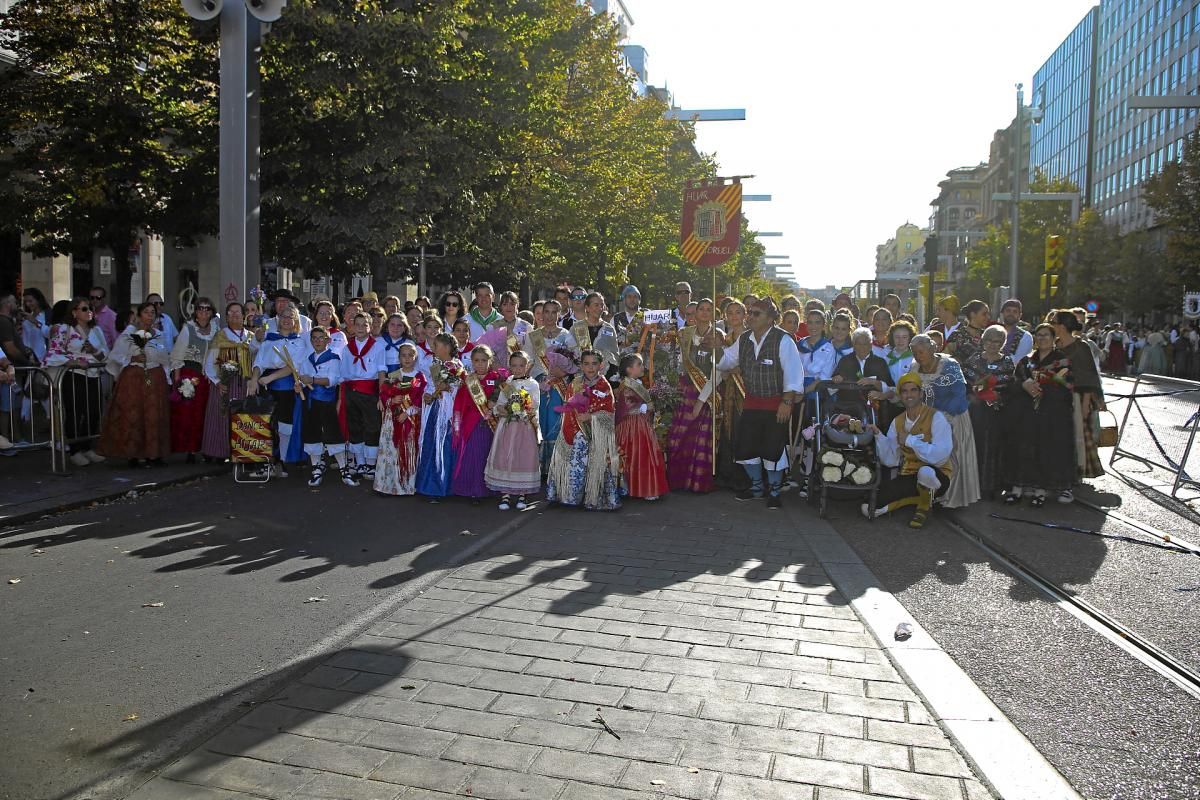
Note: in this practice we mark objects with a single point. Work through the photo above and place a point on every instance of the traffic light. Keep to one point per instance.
(1049, 287)
(1056, 252)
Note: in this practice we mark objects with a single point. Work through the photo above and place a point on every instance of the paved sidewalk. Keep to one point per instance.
(31, 490)
(688, 649)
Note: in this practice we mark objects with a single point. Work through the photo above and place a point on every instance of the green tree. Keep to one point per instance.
(107, 126)
(1174, 195)
(989, 260)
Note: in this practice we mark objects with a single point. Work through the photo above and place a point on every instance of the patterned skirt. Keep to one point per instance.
(137, 423)
(187, 414)
(396, 467)
(216, 419)
(689, 464)
(584, 473)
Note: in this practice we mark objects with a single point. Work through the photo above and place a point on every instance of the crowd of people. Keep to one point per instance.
(1171, 350)
(482, 399)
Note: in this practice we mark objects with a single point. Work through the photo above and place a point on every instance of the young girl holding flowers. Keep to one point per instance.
(400, 396)
(586, 467)
(514, 465)
(436, 465)
(643, 467)
(473, 421)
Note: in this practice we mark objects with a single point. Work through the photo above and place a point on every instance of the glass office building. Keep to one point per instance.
(1147, 47)
(1064, 87)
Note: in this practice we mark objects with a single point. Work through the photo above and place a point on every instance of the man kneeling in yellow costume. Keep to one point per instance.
(919, 442)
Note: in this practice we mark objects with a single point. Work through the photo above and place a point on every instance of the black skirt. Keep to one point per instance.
(759, 435)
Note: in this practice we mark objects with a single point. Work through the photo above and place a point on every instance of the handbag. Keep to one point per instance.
(1105, 427)
(37, 385)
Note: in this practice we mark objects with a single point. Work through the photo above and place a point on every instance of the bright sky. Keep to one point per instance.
(854, 111)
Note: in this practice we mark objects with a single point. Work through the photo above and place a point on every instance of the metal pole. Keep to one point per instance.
(233, 150)
(1016, 195)
(712, 377)
(421, 273)
(254, 37)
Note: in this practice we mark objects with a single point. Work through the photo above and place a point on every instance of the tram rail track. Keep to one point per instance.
(1104, 624)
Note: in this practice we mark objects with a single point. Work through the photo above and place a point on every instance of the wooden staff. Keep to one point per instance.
(287, 360)
(712, 378)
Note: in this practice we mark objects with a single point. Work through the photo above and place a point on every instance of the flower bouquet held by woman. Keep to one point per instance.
(137, 424)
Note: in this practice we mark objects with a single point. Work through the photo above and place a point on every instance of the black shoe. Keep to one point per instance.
(747, 494)
(133, 462)
(774, 502)
(191, 458)
(156, 462)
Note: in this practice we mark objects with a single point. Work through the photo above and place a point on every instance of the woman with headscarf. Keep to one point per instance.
(1089, 394)
(946, 390)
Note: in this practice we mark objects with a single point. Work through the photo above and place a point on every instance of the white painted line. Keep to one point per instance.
(1002, 757)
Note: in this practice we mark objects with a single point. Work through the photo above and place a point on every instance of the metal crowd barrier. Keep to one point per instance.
(40, 412)
(1159, 428)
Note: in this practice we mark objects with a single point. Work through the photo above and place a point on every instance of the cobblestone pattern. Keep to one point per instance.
(722, 662)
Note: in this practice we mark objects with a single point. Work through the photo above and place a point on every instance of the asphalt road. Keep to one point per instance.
(1113, 727)
(232, 567)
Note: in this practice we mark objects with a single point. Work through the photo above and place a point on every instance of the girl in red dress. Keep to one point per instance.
(644, 469)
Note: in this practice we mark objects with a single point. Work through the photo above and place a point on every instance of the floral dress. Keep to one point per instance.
(585, 469)
(399, 437)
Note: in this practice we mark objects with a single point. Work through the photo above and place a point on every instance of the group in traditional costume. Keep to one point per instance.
(402, 396)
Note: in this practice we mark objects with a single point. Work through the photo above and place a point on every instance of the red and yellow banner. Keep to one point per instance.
(712, 223)
(250, 438)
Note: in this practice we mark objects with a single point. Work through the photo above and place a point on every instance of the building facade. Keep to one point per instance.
(1064, 88)
(955, 218)
(1149, 47)
(1000, 168)
(899, 260)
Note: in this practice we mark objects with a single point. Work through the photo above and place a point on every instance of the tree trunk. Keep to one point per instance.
(526, 283)
(119, 299)
(379, 273)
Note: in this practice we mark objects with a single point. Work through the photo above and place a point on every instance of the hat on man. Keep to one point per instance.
(766, 305)
(370, 296)
(1012, 301)
(286, 295)
(906, 378)
(630, 289)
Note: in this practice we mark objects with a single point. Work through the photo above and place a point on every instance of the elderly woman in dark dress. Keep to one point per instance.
(989, 374)
(1039, 445)
(1089, 394)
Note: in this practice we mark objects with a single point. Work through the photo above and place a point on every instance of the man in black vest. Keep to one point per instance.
(774, 378)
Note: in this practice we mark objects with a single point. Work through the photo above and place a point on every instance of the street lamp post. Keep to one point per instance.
(242, 27)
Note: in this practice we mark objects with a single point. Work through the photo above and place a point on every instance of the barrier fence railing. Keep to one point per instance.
(54, 408)
(1159, 427)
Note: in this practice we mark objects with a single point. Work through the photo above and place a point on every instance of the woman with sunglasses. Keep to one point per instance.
(451, 308)
(189, 397)
(228, 366)
(79, 347)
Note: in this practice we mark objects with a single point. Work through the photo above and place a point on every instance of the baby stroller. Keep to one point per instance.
(844, 463)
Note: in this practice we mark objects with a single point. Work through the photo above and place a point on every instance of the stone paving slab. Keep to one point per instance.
(680, 650)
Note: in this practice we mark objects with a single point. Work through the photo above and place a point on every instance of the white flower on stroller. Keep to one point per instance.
(831, 474)
(861, 476)
(833, 458)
